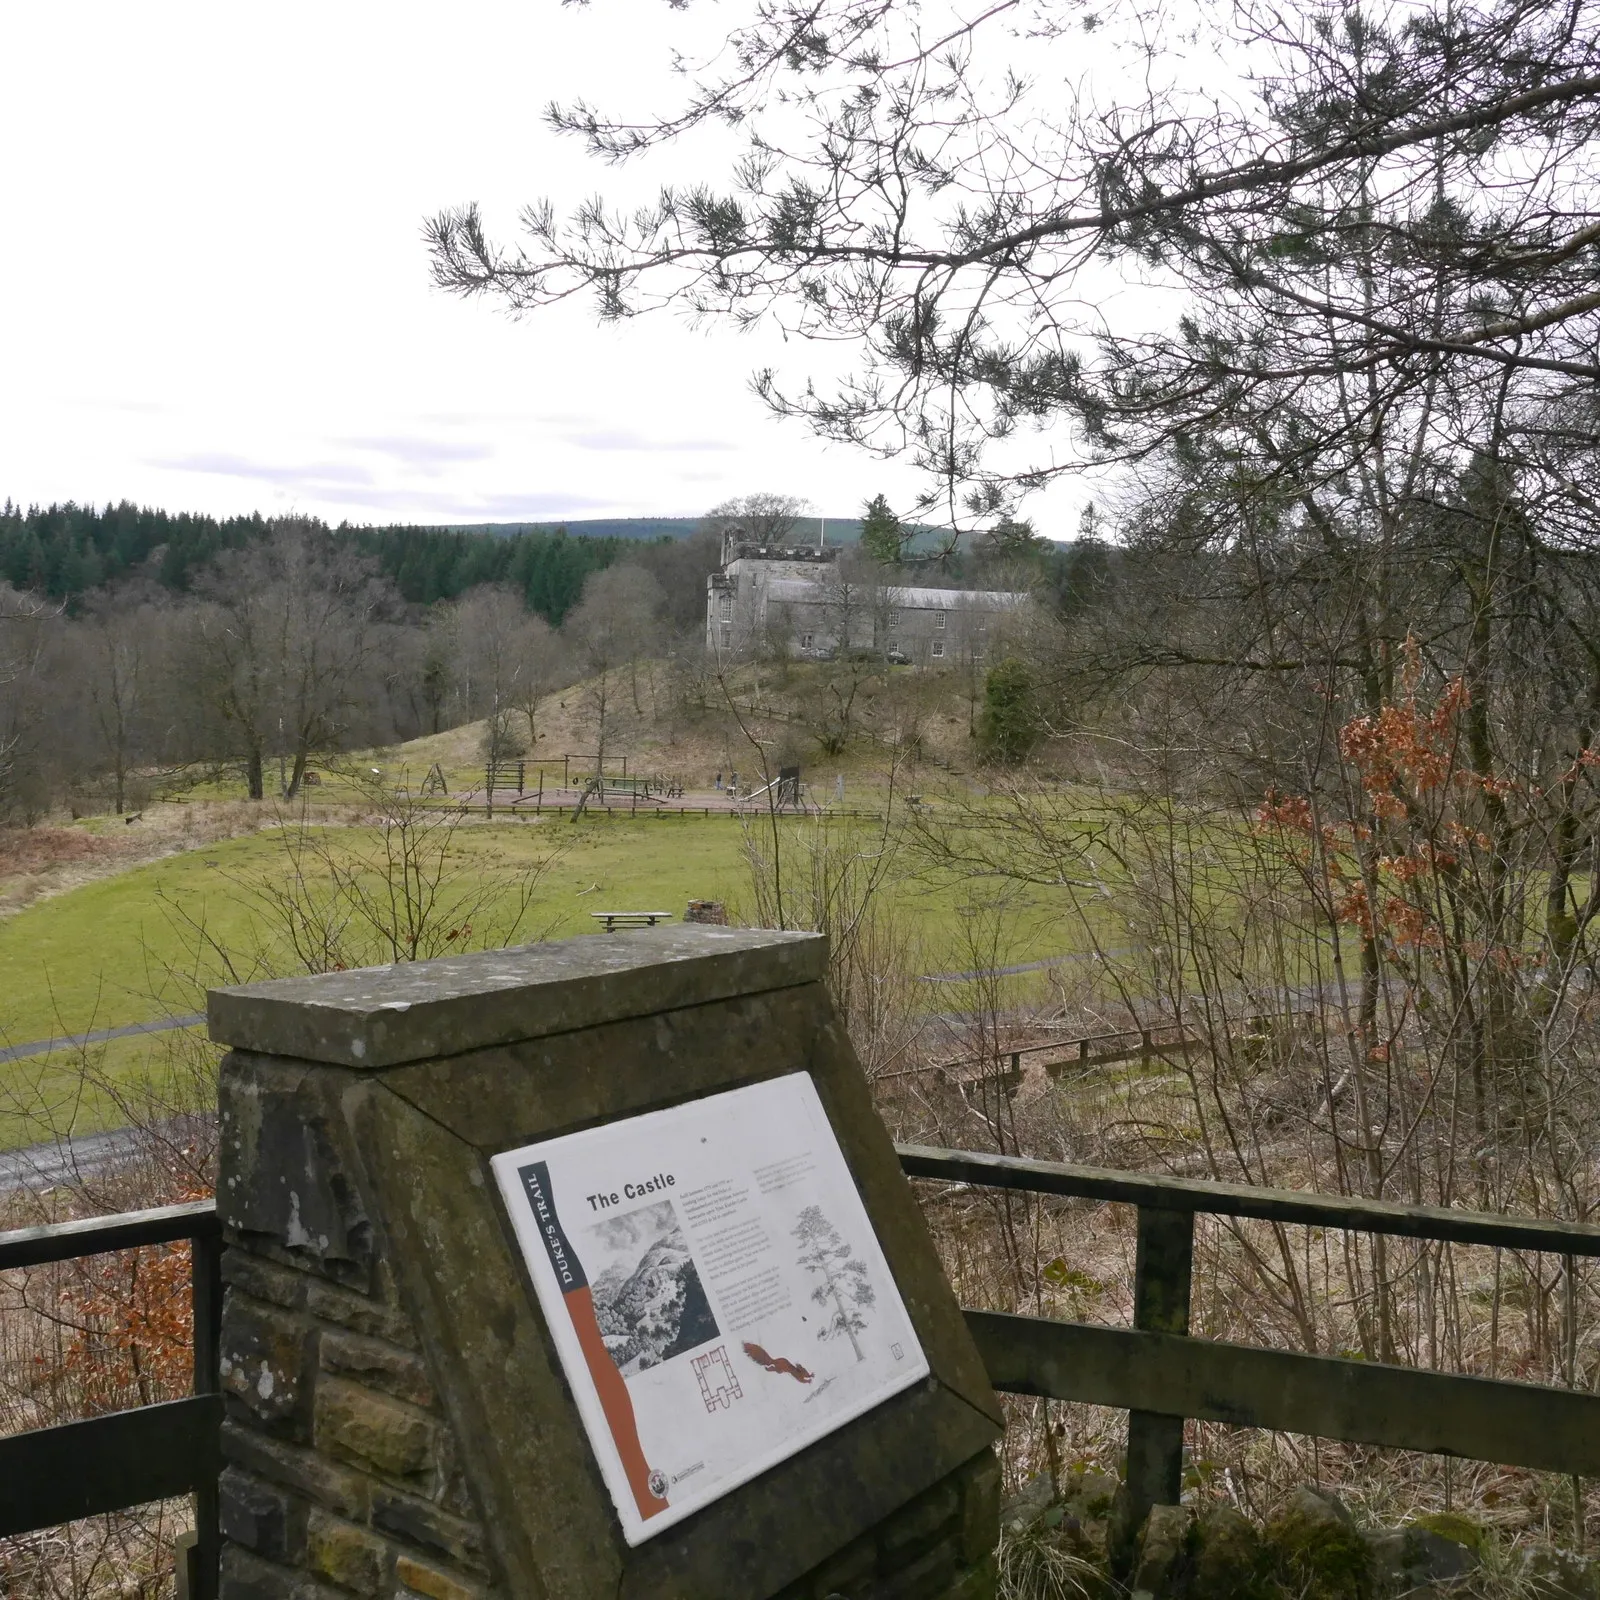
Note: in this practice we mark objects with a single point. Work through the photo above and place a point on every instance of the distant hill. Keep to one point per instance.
(837, 530)
(590, 527)
(840, 530)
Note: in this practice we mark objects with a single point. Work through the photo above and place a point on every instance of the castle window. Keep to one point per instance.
(938, 644)
(939, 619)
(727, 607)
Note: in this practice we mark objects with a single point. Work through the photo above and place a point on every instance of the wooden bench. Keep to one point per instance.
(629, 919)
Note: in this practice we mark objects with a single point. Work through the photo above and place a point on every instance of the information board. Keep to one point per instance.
(715, 1290)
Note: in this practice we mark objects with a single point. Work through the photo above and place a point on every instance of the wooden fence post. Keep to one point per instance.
(1161, 1273)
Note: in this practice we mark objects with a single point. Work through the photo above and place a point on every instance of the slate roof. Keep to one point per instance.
(804, 591)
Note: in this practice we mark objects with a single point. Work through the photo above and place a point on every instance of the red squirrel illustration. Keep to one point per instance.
(776, 1363)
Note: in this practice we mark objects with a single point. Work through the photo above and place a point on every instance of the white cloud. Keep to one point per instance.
(216, 296)
(229, 466)
(627, 439)
(424, 455)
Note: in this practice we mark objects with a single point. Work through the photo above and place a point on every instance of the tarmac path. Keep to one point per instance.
(72, 1041)
(87, 1155)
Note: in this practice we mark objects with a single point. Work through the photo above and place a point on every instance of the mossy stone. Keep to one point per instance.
(1319, 1550)
(1162, 1558)
(1087, 1493)
(1229, 1561)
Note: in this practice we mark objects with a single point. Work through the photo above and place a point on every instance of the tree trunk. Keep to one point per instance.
(297, 773)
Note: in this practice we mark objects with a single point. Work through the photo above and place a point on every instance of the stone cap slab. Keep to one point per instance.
(420, 1010)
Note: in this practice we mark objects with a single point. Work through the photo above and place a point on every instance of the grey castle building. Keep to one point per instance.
(816, 600)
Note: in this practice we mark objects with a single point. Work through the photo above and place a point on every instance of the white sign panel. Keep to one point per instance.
(715, 1290)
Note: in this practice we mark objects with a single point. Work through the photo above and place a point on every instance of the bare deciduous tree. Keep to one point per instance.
(610, 630)
(120, 671)
(286, 634)
(22, 624)
(765, 517)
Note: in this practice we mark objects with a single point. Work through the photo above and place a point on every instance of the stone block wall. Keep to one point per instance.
(939, 1547)
(342, 1475)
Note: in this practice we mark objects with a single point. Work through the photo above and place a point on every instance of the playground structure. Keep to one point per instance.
(518, 785)
(786, 791)
(521, 787)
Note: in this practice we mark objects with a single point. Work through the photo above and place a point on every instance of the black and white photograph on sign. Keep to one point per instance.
(647, 1295)
(714, 1288)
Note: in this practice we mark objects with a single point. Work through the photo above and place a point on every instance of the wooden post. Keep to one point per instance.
(1161, 1273)
(205, 1278)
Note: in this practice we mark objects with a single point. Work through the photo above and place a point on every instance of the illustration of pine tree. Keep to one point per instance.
(844, 1291)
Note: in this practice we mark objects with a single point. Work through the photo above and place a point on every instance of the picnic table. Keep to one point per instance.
(629, 919)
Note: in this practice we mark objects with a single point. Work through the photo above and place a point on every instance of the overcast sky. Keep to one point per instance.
(215, 295)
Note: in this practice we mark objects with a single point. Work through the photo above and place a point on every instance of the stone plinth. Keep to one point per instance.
(398, 1422)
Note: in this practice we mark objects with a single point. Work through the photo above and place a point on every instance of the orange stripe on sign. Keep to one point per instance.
(615, 1400)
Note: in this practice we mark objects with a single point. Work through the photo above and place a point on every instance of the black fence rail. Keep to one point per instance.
(1153, 1370)
(1160, 1375)
(128, 1458)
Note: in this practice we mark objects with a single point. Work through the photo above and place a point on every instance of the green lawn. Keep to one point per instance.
(148, 942)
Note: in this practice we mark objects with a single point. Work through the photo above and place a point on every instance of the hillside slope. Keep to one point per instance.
(652, 721)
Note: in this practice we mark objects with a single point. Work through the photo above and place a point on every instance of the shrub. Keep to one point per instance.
(1008, 727)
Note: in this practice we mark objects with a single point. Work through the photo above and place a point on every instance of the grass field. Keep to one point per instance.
(148, 942)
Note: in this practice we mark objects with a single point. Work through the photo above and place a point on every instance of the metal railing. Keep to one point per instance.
(1153, 1370)
(128, 1458)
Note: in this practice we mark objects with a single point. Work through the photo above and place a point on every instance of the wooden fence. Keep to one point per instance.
(1154, 1370)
